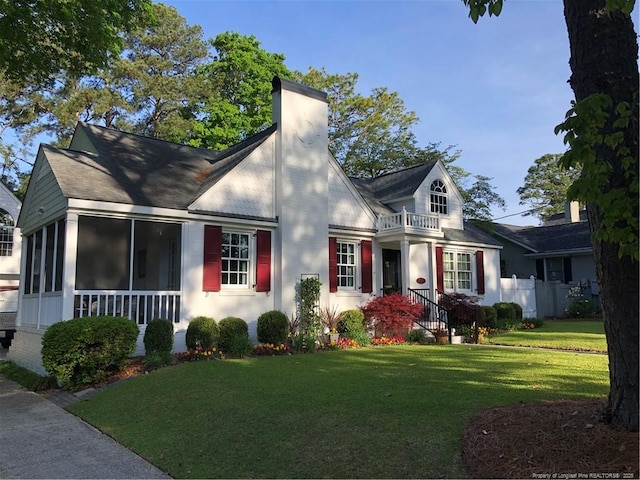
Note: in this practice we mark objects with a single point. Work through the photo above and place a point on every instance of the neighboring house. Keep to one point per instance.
(559, 251)
(10, 247)
(127, 225)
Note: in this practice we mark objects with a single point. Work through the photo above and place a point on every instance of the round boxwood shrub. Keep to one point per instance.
(506, 316)
(202, 332)
(518, 310)
(86, 350)
(351, 323)
(158, 337)
(490, 316)
(273, 327)
(233, 331)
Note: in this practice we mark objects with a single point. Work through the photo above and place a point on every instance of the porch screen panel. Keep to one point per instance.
(48, 257)
(103, 253)
(156, 256)
(60, 255)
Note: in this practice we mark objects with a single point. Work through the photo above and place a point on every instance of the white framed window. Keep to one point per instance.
(235, 259)
(457, 271)
(346, 265)
(6, 234)
(438, 197)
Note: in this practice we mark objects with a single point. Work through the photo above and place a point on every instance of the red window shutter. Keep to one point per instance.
(480, 271)
(439, 270)
(366, 266)
(333, 264)
(263, 263)
(212, 262)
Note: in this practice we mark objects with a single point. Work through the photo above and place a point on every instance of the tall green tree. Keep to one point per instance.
(546, 185)
(238, 102)
(159, 72)
(150, 89)
(368, 135)
(41, 38)
(601, 130)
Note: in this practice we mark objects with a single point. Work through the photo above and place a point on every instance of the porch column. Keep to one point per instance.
(69, 266)
(404, 263)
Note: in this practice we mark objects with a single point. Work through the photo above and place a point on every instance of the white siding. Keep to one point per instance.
(346, 207)
(454, 200)
(246, 304)
(248, 189)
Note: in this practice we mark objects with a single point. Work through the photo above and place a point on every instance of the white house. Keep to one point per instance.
(127, 225)
(10, 248)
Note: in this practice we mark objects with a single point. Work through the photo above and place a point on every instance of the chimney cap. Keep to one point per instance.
(279, 84)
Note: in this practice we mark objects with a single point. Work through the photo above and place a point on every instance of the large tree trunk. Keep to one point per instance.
(604, 59)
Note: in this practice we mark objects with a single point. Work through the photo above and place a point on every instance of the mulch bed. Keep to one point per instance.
(560, 439)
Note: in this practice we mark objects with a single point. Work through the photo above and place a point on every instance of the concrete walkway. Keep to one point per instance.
(39, 439)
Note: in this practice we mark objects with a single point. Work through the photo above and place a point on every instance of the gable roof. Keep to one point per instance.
(548, 238)
(394, 185)
(137, 170)
(470, 234)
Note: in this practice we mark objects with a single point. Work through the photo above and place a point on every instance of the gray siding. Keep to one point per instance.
(46, 195)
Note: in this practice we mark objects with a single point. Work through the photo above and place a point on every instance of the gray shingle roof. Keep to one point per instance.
(137, 170)
(470, 234)
(549, 238)
(399, 184)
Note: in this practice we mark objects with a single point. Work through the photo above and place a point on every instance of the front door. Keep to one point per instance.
(391, 278)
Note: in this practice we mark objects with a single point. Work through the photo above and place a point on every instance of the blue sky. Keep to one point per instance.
(495, 89)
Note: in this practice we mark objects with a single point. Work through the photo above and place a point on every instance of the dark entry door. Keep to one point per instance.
(391, 280)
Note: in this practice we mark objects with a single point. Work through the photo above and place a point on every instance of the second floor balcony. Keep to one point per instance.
(409, 223)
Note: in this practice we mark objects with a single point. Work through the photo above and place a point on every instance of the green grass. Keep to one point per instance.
(386, 412)
(584, 335)
(25, 377)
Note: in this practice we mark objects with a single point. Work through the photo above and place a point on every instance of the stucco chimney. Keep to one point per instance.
(572, 212)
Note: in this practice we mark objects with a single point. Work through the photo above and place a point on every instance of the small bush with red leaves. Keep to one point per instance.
(391, 315)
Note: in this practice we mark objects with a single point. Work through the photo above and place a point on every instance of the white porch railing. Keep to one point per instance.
(407, 222)
(140, 306)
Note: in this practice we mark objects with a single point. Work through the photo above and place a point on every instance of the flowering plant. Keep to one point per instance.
(270, 349)
(383, 340)
(196, 354)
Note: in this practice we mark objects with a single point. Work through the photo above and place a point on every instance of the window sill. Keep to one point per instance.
(348, 293)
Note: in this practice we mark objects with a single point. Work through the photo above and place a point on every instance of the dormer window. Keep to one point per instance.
(438, 197)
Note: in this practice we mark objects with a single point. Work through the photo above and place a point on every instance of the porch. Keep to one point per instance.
(404, 222)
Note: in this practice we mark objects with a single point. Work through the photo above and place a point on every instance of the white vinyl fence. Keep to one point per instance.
(521, 291)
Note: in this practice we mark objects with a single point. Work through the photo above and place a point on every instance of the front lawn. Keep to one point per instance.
(384, 412)
(584, 335)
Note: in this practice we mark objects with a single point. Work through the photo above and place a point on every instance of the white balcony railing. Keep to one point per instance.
(140, 306)
(407, 222)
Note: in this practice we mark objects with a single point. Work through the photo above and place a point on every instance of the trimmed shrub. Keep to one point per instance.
(86, 350)
(518, 309)
(391, 315)
(202, 332)
(416, 336)
(579, 308)
(504, 311)
(158, 336)
(273, 327)
(232, 329)
(351, 323)
(490, 317)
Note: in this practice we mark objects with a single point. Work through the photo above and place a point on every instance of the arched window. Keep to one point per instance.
(438, 197)
(6, 233)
